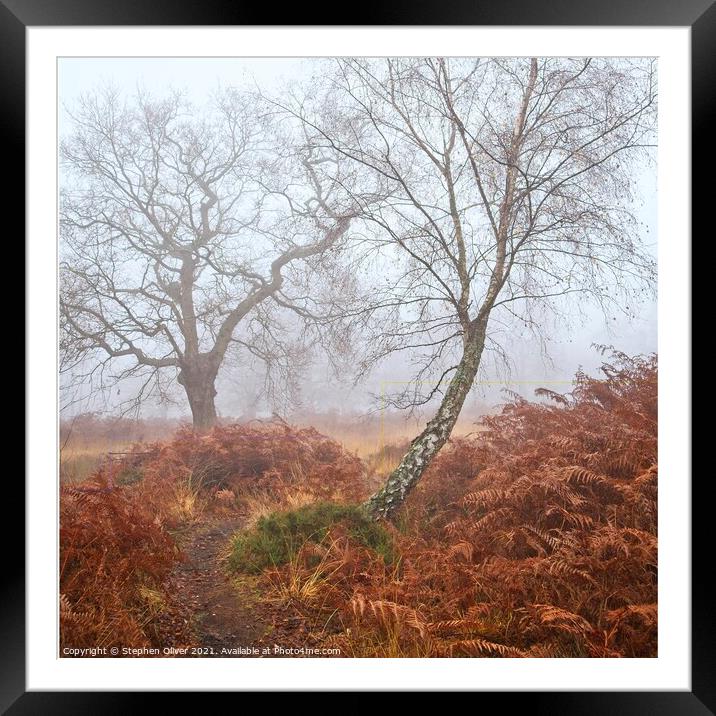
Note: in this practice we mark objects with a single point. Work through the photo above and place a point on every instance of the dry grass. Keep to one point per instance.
(262, 503)
(298, 583)
(87, 439)
(79, 463)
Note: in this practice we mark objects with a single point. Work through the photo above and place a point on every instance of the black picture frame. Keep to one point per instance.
(699, 15)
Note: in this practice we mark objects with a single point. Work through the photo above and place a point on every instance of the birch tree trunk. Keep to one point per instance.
(424, 447)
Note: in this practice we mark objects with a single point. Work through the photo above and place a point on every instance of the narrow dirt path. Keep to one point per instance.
(221, 616)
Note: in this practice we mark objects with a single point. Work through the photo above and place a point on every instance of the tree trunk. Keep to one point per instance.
(424, 448)
(198, 384)
(203, 409)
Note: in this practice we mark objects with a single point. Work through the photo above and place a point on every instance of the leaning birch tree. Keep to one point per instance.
(511, 185)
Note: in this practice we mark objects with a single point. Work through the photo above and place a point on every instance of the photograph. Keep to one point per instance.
(357, 356)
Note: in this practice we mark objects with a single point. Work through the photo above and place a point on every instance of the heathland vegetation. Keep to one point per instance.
(535, 535)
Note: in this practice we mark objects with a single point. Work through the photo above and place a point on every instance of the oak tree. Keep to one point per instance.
(186, 233)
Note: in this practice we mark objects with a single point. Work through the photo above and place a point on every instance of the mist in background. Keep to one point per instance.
(320, 389)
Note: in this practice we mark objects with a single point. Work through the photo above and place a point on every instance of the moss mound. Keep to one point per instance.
(278, 537)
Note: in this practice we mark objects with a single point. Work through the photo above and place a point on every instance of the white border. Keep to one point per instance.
(670, 671)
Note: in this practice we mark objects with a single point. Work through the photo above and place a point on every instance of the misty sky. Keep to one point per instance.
(569, 347)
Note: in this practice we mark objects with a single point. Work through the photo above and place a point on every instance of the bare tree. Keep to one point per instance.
(511, 186)
(185, 235)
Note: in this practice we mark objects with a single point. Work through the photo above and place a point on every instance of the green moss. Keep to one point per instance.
(277, 538)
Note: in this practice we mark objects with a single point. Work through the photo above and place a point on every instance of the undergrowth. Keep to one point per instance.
(119, 528)
(114, 557)
(536, 537)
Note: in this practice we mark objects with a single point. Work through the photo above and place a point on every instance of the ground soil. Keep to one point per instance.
(209, 610)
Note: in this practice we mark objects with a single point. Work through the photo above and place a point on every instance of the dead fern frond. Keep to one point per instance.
(556, 617)
(482, 647)
(484, 498)
(580, 476)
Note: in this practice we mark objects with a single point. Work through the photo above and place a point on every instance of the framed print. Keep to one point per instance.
(353, 352)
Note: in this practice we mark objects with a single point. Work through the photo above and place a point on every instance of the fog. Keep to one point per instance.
(321, 386)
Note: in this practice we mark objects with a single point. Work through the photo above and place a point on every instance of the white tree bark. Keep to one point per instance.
(437, 432)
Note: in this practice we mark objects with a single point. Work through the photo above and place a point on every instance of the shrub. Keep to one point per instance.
(266, 457)
(277, 538)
